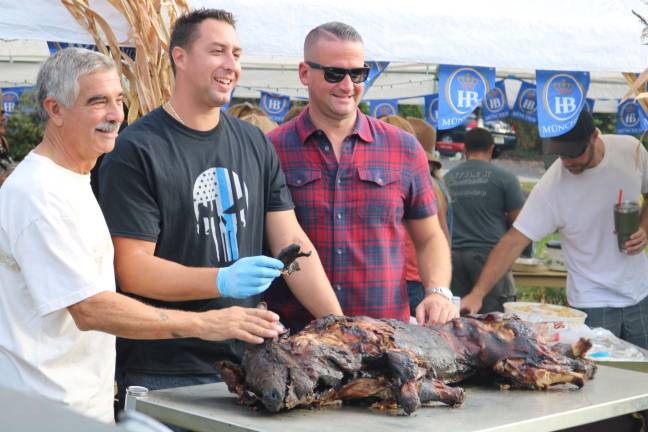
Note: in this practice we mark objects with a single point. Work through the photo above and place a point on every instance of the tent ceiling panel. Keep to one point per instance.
(585, 35)
(516, 37)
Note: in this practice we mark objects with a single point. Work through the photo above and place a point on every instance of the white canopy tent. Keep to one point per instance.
(516, 37)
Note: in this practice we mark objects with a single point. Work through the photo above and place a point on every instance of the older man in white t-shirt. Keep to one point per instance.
(58, 306)
(576, 197)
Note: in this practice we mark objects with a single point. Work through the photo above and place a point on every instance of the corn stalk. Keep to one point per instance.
(638, 83)
(147, 80)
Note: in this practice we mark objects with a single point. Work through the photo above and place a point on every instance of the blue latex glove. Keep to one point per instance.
(248, 276)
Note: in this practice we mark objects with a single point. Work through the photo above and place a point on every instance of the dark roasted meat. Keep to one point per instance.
(289, 255)
(393, 364)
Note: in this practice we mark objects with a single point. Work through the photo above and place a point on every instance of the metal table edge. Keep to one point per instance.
(573, 418)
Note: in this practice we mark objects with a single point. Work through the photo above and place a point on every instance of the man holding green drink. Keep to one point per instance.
(579, 196)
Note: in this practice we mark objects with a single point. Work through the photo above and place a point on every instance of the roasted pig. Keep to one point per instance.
(393, 364)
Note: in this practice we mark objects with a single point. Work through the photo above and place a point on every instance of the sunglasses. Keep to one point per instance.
(336, 74)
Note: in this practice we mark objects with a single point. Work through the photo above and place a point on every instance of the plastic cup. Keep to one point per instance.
(133, 393)
(626, 221)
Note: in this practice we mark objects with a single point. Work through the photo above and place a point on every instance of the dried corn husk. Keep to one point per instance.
(147, 80)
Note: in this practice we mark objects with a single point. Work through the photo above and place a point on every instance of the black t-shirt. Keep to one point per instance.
(202, 198)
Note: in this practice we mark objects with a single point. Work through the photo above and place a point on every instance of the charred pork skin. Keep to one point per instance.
(393, 364)
(289, 255)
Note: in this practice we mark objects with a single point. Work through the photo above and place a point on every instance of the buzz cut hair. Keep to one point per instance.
(478, 140)
(185, 29)
(331, 31)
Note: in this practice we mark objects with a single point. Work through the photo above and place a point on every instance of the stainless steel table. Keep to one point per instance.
(612, 393)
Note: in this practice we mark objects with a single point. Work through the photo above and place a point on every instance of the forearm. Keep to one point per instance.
(310, 285)
(157, 278)
(500, 261)
(433, 256)
(123, 316)
(126, 317)
(434, 262)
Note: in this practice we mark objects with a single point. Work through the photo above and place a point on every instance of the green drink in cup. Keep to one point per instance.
(626, 221)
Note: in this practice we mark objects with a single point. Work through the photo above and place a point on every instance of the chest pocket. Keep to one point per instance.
(382, 201)
(307, 192)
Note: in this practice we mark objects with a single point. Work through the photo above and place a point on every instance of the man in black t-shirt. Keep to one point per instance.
(192, 196)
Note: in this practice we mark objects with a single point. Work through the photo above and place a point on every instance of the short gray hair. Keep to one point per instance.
(59, 76)
(331, 30)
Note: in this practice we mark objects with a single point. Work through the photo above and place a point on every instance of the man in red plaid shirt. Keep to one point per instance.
(357, 183)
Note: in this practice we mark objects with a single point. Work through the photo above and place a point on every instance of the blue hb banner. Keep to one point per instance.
(589, 104)
(383, 107)
(10, 98)
(376, 69)
(54, 47)
(525, 107)
(561, 96)
(432, 108)
(631, 118)
(462, 89)
(495, 105)
(276, 106)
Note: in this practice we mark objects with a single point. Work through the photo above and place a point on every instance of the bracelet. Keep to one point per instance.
(443, 291)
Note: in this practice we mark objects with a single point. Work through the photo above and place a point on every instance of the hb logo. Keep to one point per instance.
(464, 88)
(384, 109)
(563, 95)
(467, 96)
(495, 104)
(495, 100)
(630, 114)
(631, 118)
(274, 105)
(9, 101)
(528, 101)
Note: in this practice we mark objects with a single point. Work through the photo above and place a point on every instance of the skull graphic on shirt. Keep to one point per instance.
(220, 208)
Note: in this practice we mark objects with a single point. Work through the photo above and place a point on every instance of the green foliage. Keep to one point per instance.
(549, 295)
(541, 246)
(364, 107)
(605, 122)
(24, 128)
(528, 137)
(527, 186)
(410, 111)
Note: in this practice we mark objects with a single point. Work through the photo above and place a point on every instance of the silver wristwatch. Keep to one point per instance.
(444, 291)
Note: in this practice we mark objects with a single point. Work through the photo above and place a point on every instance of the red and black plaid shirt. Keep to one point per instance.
(353, 212)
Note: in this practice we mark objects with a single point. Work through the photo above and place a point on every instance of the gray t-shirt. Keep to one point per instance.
(481, 194)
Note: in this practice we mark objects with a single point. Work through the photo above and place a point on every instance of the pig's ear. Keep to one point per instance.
(233, 376)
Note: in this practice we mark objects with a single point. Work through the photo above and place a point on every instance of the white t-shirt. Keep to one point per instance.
(581, 207)
(55, 251)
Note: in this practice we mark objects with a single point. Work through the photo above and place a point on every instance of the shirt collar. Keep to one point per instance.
(306, 128)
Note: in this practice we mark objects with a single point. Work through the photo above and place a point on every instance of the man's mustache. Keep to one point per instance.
(108, 126)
